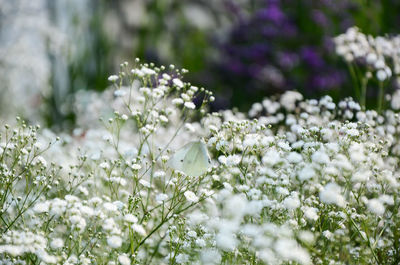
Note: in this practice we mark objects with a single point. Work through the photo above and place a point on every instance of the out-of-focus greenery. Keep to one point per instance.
(198, 34)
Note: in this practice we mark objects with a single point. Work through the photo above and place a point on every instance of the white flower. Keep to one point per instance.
(311, 213)
(320, 157)
(226, 241)
(376, 206)
(78, 222)
(145, 183)
(56, 243)
(328, 234)
(288, 249)
(161, 197)
(113, 78)
(292, 202)
(130, 218)
(200, 242)
(371, 58)
(294, 157)
(114, 241)
(271, 158)
(306, 173)
(139, 229)
(104, 165)
(307, 237)
(159, 174)
(182, 258)
(210, 256)
(190, 196)
(190, 105)
(289, 98)
(192, 233)
(119, 93)
(177, 82)
(41, 207)
(136, 166)
(331, 194)
(177, 101)
(123, 259)
(381, 75)
(148, 71)
(108, 206)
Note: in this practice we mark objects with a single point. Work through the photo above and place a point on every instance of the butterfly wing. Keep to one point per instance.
(196, 161)
(176, 161)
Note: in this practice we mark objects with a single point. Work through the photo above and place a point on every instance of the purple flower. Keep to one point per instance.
(272, 13)
(311, 57)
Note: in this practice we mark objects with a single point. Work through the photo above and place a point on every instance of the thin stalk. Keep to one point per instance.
(363, 98)
(354, 79)
(380, 96)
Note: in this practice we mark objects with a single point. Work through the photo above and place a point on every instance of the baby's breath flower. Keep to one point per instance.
(177, 82)
(114, 241)
(113, 78)
(190, 105)
(190, 196)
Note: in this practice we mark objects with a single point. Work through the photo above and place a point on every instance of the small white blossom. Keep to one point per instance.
(113, 78)
(190, 196)
(114, 241)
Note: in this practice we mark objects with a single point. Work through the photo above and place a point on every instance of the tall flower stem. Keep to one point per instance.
(380, 96)
(363, 97)
(354, 78)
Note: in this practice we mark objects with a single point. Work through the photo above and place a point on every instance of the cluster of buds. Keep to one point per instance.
(380, 54)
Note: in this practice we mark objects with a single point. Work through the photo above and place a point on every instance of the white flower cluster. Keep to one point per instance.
(381, 54)
(19, 243)
(293, 181)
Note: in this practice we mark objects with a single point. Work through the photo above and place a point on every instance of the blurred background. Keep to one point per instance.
(243, 50)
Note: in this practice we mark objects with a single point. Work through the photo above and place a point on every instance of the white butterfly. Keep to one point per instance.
(192, 159)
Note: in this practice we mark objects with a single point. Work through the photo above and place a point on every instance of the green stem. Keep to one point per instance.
(354, 79)
(363, 99)
(380, 96)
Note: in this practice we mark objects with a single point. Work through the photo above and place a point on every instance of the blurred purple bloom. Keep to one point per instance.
(272, 13)
(311, 57)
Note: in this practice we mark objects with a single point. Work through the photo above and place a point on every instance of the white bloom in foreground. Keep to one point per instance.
(114, 241)
(292, 202)
(56, 243)
(268, 256)
(123, 259)
(376, 206)
(190, 196)
(288, 249)
(306, 173)
(331, 194)
(320, 157)
(190, 105)
(271, 158)
(294, 157)
(226, 241)
(311, 213)
(210, 256)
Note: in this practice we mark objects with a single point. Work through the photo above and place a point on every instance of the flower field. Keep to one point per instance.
(293, 181)
(244, 132)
